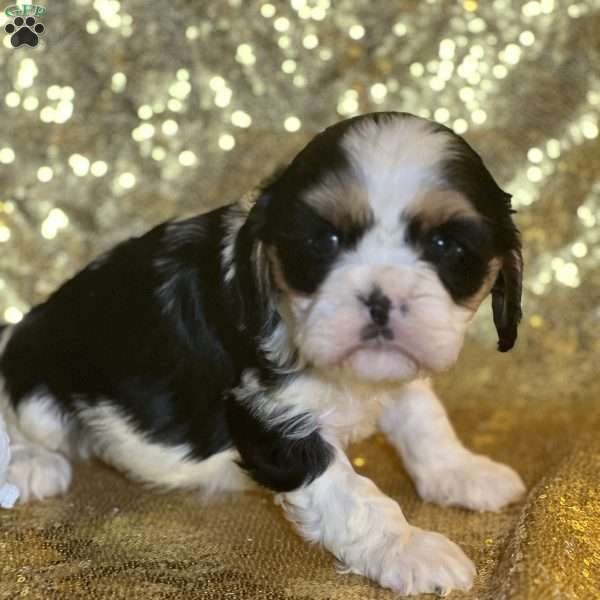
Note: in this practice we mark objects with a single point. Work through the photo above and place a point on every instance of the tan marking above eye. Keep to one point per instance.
(436, 207)
(341, 202)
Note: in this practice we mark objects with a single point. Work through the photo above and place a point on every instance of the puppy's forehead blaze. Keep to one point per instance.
(435, 207)
(393, 162)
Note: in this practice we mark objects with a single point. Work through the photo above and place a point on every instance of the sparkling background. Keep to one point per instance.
(130, 113)
(127, 114)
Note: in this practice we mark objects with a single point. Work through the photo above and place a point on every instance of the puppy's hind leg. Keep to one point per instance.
(39, 439)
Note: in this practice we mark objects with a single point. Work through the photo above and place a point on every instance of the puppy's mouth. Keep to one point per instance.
(379, 347)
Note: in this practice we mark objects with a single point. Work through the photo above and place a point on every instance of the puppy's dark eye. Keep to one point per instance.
(324, 246)
(445, 246)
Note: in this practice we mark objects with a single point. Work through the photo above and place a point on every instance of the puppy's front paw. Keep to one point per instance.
(426, 563)
(471, 481)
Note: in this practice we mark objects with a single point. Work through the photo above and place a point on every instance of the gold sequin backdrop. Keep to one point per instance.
(128, 113)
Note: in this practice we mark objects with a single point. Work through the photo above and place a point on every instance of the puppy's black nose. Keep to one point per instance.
(379, 307)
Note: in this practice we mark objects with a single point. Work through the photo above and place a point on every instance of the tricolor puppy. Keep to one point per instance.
(254, 342)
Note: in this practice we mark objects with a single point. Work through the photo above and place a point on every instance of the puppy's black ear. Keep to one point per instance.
(251, 286)
(257, 217)
(506, 298)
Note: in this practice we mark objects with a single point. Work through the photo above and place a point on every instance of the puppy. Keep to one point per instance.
(252, 343)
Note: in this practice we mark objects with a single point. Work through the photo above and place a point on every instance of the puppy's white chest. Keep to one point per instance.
(354, 414)
(343, 410)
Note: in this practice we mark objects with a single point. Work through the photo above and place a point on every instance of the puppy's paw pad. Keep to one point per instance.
(428, 563)
(473, 481)
(37, 472)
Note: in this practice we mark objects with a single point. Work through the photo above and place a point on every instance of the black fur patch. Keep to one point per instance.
(274, 456)
(296, 234)
(148, 329)
(153, 329)
(462, 272)
(292, 226)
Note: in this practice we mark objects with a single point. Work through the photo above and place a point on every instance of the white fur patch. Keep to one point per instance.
(444, 471)
(368, 533)
(279, 349)
(471, 481)
(116, 441)
(36, 469)
(43, 423)
(38, 473)
(395, 160)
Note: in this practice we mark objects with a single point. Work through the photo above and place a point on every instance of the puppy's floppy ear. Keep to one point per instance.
(506, 298)
(252, 281)
(252, 285)
(257, 217)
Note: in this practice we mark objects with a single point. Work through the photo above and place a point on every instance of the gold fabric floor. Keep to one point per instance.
(110, 538)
